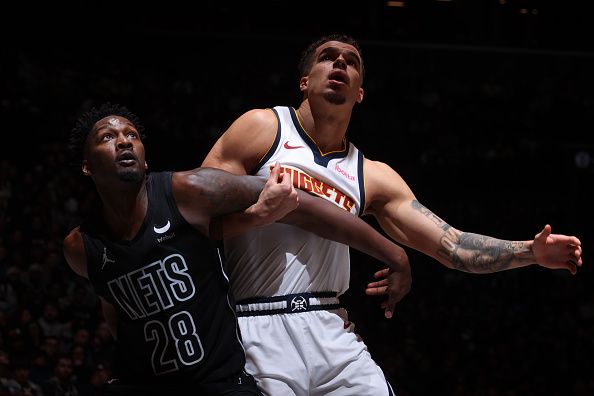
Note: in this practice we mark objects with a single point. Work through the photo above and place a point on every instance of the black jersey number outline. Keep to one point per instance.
(182, 330)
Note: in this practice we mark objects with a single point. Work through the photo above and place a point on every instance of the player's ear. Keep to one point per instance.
(85, 168)
(145, 166)
(303, 83)
(360, 95)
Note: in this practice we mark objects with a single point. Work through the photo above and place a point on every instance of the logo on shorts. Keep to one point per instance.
(298, 303)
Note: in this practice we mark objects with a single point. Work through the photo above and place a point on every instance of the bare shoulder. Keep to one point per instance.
(383, 184)
(74, 252)
(260, 118)
(245, 142)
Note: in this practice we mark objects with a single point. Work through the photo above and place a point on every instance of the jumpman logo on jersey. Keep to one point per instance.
(105, 258)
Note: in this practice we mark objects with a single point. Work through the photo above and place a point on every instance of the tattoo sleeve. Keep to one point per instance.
(476, 253)
(226, 193)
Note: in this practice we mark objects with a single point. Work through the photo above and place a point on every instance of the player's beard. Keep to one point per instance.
(131, 175)
(335, 98)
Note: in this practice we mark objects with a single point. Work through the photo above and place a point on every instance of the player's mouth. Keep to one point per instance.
(338, 77)
(126, 158)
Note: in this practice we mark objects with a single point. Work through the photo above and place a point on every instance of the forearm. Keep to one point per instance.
(234, 224)
(470, 252)
(482, 254)
(331, 222)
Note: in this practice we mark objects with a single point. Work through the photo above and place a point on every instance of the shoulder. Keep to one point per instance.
(256, 123)
(245, 142)
(74, 252)
(260, 116)
(379, 173)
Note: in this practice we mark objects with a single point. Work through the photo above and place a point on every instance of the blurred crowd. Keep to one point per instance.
(487, 140)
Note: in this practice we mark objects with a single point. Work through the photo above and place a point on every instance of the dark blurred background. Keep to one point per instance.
(486, 108)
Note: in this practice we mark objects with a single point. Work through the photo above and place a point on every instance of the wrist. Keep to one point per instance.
(524, 253)
(255, 216)
(399, 262)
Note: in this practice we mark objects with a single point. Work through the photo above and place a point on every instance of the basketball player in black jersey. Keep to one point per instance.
(147, 252)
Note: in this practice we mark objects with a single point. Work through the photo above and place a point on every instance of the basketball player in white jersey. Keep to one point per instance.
(286, 281)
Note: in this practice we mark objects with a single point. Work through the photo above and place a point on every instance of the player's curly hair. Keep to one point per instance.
(306, 61)
(85, 122)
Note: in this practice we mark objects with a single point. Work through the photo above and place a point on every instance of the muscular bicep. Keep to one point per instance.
(401, 216)
(408, 221)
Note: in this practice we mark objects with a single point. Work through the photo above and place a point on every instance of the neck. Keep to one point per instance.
(326, 123)
(124, 208)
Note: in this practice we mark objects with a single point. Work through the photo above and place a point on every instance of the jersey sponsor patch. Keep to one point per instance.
(305, 182)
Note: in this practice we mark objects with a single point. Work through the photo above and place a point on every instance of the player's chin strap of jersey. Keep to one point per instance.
(290, 303)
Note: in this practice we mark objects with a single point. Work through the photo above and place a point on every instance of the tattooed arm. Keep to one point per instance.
(405, 219)
(204, 194)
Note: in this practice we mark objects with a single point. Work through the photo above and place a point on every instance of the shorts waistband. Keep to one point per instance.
(289, 303)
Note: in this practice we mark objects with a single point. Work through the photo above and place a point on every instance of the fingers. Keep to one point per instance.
(274, 173)
(383, 282)
(376, 290)
(389, 311)
(382, 273)
(543, 235)
(286, 179)
(575, 254)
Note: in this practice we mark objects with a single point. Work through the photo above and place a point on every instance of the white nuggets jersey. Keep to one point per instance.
(281, 259)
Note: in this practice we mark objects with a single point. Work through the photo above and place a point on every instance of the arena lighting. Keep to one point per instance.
(395, 3)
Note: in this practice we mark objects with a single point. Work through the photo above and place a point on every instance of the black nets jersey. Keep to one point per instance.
(175, 314)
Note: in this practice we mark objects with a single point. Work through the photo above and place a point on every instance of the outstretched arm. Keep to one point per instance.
(476, 253)
(409, 222)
